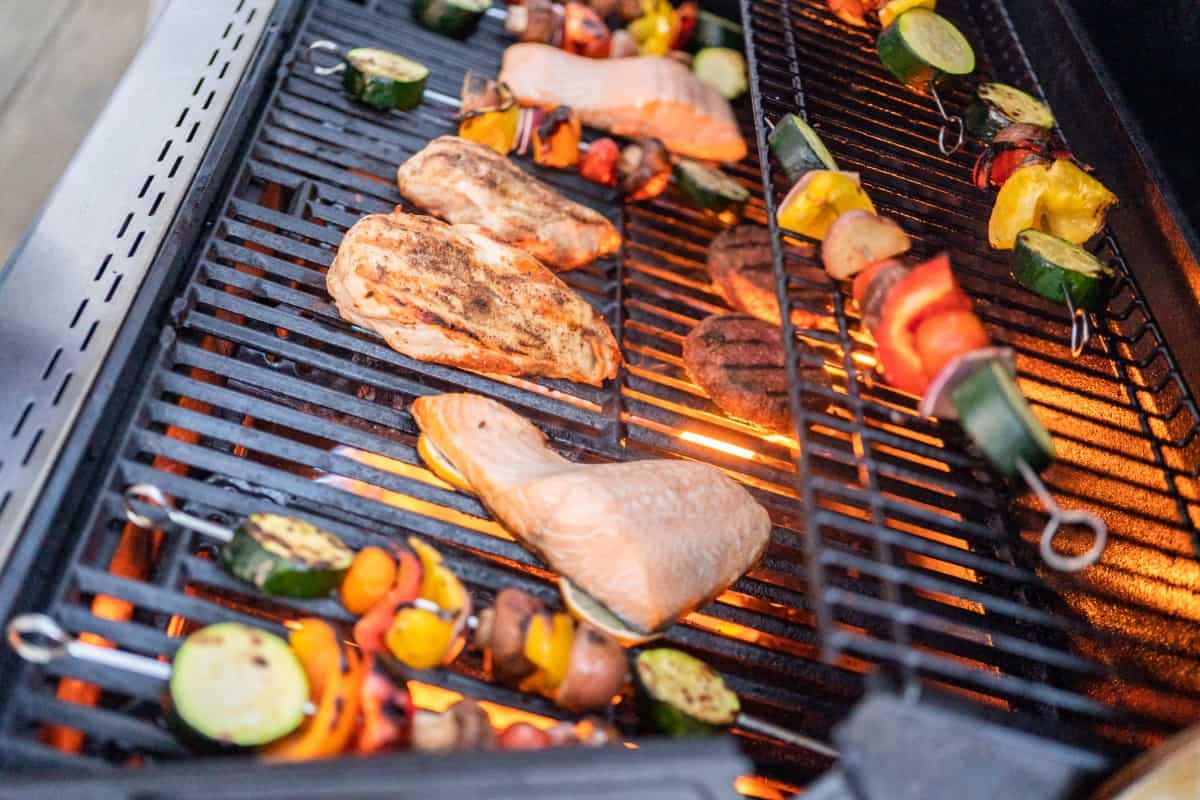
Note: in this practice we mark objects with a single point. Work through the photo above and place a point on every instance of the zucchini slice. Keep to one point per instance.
(996, 415)
(1051, 267)
(384, 80)
(799, 148)
(234, 685)
(714, 31)
(998, 105)
(722, 68)
(457, 19)
(682, 695)
(922, 45)
(709, 188)
(286, 557)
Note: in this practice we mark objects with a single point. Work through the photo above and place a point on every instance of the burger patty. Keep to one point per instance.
(740, 362)
(743, 270)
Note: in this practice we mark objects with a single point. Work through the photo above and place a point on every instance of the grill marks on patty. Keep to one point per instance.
(740, 362)
(742, 267)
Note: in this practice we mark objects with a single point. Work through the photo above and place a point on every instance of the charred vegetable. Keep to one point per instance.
(998, 105)
(799, 148)
(489, 113)
(888, 14)
(818, 199)
(536, 21)
(921, 46)
(463, 726)
(1055, 268)
(235, 685)
(584, 32)
(454, 18)
(556, 139)
(713, 31)
(859, 238)
(872, 287)
(709, 188)
(1059, 198)
(384, 80)
(644, 169)
(722, 68)
(387, 712)
(286, 556)
(682, 695)
(599, 163)
(996, 415)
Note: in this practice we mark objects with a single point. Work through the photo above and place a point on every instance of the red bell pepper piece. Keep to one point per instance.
(370, 630)
(862, 281)
(387, 712)
(944, 337)
(584, 33)
(599, 163)
(927, 291)
(686, 14)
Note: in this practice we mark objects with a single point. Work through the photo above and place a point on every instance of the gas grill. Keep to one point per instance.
(179, 334)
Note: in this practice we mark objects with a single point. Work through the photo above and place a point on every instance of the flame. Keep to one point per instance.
(756, 786)
(717, 444)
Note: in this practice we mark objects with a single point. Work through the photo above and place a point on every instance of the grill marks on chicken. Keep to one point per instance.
(464, 182)
(453, 295)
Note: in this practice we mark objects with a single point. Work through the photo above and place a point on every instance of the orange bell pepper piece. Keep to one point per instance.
(372, 573)
(315, 644)
(370, 630)
(327, 732)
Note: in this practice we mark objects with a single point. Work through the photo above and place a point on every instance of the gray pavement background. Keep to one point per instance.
(59, 62)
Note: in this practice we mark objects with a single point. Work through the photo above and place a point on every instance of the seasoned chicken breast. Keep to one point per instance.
(648, 539)
(467, 183)
(640, 96)
(453, 295)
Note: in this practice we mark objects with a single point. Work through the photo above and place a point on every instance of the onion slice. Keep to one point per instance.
(936, 402)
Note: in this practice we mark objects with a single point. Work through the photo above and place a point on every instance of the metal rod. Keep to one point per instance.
(946, 120)
(328, 46)
(1081, 329)
(152, 495)
(1060, 516)
(784, 735)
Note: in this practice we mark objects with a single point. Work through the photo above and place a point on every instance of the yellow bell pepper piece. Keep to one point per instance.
(1060, 199)
(655, 30)
(1075, 203)
(419, 638)
(548, 644)
(438, 584)
(818, 199)
(888, 14)
(494, 129)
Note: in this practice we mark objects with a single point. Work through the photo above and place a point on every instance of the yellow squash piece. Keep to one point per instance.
(419, 638)
(1060, 199)
(818, 199)
(548, 645)
(888, 14)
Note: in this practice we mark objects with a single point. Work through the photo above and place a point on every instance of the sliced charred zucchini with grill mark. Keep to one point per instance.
(384, 80)
(998, 105)
(457, 19)
(1053, 267)
(682, 695)
(286, 557)
(236, 686)
(709, 188)
(714, 31)
(799, 148)
(922, 45)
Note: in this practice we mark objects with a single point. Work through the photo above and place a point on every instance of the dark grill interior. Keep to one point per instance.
(261, 394)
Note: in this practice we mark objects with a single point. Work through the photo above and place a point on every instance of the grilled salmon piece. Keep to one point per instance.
(453, 295)
(649, 539)
(464, 182)
(640, 96)
(742, 267)
(739, 361)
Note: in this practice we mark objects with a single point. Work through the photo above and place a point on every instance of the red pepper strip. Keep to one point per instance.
(599, 163)
(944, 337)
(929, 290)
(686, 14)
(370, 630)
(387, 712)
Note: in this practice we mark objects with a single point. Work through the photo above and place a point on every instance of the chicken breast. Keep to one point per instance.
(640, 96)
(650, 540)
(464, 182)
(453, 295)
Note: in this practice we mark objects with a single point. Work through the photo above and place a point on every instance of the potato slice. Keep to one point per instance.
(858, 238)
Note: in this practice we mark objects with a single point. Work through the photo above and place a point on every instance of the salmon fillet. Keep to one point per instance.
(640, 96)
(650, 540)
(464, 182)
(453, 295)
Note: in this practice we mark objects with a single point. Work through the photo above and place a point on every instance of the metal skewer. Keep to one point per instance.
(947, 120)
(1060, 516)
(784, 735)
(1081, 328)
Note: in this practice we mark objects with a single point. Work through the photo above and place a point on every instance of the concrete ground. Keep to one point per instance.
(59, 62)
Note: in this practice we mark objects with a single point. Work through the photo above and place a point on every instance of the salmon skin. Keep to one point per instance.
(639, 96)
(650, 540)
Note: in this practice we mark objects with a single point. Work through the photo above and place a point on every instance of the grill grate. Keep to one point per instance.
(260, 393)
(884, 499)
